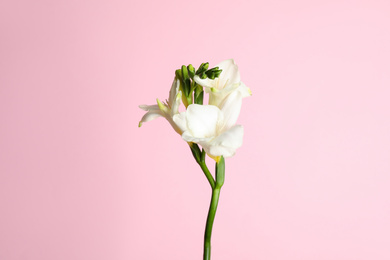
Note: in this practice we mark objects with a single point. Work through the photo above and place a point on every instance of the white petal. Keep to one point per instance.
(176, 104)
(230, 73)
(172, 91)
(149, 108)
(173, 94)
(202, 120)
(226, 143)
(181, 121)
(149, 117)
(153, 112)
(230, 108)
(188, 137)
(208, 83)
(244, 90)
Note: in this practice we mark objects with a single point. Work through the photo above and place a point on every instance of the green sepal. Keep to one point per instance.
(220, 172)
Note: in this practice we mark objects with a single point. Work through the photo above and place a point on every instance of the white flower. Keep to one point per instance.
(213, 128)
(168, 109)
(227, 82)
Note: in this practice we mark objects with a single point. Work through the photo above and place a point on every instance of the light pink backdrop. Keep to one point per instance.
(79, 180)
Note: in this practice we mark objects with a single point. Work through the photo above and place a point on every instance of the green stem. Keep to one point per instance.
(200, 157)
(216, 189)
(210, 222)
(208, 174)
(216, 185)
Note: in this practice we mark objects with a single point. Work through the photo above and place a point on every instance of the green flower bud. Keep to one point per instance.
(191, 71)
(178, 74)
(214, 69)
(202, 68)
(186, 80)
(217, 73)
(210, 74)
(213, 73)
(198, 95)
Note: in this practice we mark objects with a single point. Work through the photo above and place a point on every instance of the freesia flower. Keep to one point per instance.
(168, 109)
(227, 82)
(213, 128)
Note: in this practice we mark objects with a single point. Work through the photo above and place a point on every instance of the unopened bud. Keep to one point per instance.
(191, 71)
(214, 69)
(217, 73)
(198, 95)
(202, 68)
(210, 74)
(178, 74)
(186, 80)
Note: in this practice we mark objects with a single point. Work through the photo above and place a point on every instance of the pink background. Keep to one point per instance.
(80, 180)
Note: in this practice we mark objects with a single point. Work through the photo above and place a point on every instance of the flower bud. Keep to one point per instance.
(198, 95)
(186, 80)
(214, 69)
(217, 73)
(191, 71)
(202, 68)
(178, 74)
(210, 74)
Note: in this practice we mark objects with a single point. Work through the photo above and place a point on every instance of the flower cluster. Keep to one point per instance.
(212, 126)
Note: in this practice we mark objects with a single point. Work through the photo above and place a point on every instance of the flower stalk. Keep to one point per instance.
(216, 190)
(209, 223)
(200, 157)
(216, 186)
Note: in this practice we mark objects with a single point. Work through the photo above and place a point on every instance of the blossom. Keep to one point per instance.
(227, 82)
(212, 127)
(168, 109)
